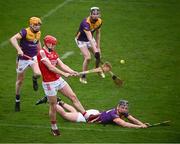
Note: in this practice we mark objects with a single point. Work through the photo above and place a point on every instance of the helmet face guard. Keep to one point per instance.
(95, 13)
(35, 23)
(123, 103)
(50, 41)
(122, 107)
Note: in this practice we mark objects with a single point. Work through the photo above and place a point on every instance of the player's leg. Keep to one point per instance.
(70, 116)
(95, 51)
(97, 56)
(67, 91)
(21, 66)
(19, 81)
(67, 106)
(51, 93)
(52, 114)
(44, 100)
(87, 57)
(36, 75)
(84, 50)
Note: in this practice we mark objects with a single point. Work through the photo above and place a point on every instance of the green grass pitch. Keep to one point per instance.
(145, 33)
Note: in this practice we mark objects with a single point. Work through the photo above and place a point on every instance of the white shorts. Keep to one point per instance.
(23, 64)
(51, 88)
(81, 118)
(82, 44)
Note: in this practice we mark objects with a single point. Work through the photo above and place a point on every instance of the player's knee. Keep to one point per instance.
(97, 56)
(73, 98)
(19, 81)
(87, 58)
(37, 74)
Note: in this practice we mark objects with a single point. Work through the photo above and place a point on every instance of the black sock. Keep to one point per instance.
(18, 98)
(34, 78)
(83, 76)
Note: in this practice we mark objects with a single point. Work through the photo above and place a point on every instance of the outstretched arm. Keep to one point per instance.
(90, 38)
(135, 121)
(66, 68)
(123, 123)
(51, 67)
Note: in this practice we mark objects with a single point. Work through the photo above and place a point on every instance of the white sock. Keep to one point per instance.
(54, 125)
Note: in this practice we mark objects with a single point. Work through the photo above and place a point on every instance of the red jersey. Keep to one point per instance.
(47, 75)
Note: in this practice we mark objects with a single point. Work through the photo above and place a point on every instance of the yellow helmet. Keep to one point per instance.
(34, 20)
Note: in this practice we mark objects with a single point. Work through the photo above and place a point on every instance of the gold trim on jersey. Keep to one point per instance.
(94, 26)
(34, 37)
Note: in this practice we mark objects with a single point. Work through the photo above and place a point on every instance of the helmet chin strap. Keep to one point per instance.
(33, 29)
(50, 50)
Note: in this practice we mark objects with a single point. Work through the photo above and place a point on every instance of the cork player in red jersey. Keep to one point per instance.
(48, 59)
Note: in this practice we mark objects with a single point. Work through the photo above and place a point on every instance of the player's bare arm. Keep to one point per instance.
(14, 42)
(65, 67)
(135, 121)
(51, 67)
(123, 123)
(90, 38)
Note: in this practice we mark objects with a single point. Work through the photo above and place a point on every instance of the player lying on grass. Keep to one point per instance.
(116, 115)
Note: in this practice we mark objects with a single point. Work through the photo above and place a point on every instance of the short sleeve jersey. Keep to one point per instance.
(29, 42)
(87, 25)
(47, 75)
(109, 115)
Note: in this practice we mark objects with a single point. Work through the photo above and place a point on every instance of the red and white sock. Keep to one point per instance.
(86, 115)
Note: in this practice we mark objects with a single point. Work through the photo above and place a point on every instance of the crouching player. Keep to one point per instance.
(48, 59)
(86, 41)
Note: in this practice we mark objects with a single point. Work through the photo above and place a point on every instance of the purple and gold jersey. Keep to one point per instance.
(109, 115)
(87, 25)
(29, 42)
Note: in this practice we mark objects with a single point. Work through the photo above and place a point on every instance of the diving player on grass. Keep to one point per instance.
(116, 115)
(48, 61)
(85, 40)
(27, 42)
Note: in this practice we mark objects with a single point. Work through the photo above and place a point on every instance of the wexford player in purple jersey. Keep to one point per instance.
(85, 40)
(116, 115)
(27, 43)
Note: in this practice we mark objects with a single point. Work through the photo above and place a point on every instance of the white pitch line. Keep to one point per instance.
(55, 9)
(104, 129)
(4, 43)
(65, 128)
(66, 55)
